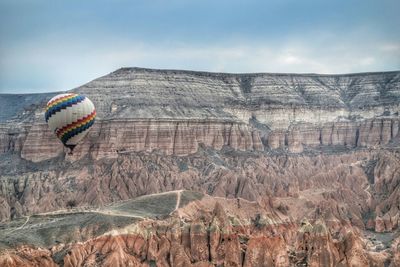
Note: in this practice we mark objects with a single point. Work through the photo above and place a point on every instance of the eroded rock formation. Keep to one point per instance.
(320, 149)
(214, 232)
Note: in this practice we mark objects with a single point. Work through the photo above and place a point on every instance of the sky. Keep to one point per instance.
(54, 45)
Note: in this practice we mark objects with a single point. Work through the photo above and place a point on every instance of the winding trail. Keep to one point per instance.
(178, 199)
(27, 220)
(110, 212)
(22, 226)
(369, 194)
(105, 212)
(234, 199)
(163, 193)
(113, 213)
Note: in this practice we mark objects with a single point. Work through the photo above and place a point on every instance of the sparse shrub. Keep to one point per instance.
(283, 208)
(71, 203)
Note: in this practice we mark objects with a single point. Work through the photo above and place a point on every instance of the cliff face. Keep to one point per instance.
(183, 137)
(175, 111)
(324, 148)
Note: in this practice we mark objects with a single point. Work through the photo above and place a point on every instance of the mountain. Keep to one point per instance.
(289, 170)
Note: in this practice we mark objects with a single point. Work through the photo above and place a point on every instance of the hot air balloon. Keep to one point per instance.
(70, 117)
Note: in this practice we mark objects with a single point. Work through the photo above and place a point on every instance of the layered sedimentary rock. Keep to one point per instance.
(183, 137)
(175, 111)
(108, 138)
(322, 150)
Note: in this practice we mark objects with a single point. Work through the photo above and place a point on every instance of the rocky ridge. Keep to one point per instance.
(322, 149)
(175, 111)
(214, 232)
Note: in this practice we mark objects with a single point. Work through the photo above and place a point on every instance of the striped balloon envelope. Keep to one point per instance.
(70, 117)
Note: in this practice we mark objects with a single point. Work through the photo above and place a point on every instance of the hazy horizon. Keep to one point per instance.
(50, 46)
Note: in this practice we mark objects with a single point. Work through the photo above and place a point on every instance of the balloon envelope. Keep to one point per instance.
(70, 117)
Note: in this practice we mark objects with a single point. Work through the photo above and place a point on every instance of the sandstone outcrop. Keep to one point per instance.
(175, 111)
(213, 232)
(109, 138)
(302, 165)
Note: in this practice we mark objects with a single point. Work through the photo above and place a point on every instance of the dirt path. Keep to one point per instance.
(113, 213)
(163, 193)
(369, 194)
(178, 199)
(105, 212)
(22, 226)
(110, 212)
(27, 220)
(234, 199)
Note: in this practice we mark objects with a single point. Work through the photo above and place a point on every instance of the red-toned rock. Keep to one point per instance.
(214, 232)
(266, 251)
(26, 256)
(271, 148)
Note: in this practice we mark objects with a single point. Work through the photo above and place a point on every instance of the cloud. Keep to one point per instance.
(367, 61)
(60, 45)
(54, 65)
(390, 47)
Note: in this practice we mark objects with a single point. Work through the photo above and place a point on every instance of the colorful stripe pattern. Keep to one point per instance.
(70, 116)
(62, 103)
(75, 128)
